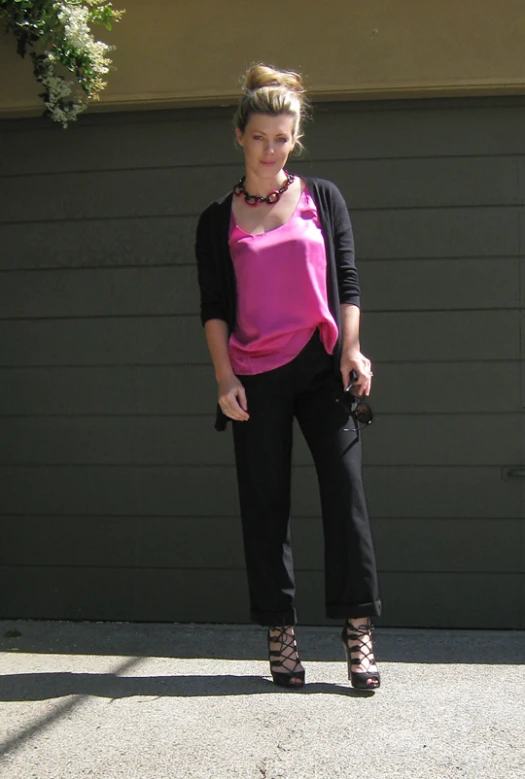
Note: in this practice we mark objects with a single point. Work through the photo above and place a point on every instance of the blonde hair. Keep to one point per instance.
(270, 91)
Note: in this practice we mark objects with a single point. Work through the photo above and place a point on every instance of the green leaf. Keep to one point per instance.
(36, 28)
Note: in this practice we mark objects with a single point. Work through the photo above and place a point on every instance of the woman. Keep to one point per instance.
(280, 308)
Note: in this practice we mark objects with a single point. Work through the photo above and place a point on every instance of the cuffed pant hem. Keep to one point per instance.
(352, 610)
(269, 619)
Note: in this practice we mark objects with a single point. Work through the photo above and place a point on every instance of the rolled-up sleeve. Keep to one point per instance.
(211, 302)
(347, 276)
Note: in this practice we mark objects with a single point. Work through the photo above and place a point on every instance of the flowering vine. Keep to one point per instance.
(67, 60)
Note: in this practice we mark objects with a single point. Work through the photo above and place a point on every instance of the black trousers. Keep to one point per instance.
(307, 388)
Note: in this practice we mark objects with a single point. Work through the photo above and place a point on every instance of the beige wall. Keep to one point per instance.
(180, 52)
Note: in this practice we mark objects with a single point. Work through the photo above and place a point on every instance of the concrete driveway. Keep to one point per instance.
(159, 701)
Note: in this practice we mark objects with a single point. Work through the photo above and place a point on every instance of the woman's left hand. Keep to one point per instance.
(355, 360)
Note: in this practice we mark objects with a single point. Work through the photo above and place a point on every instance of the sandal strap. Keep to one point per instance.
(288, 650)
(358, 635)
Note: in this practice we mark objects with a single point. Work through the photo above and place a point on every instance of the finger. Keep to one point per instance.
(347, 377)
(367, 388)
(240, 414)
(226, 407)
(234, 410)
(237, 415)
(241, 396)
(361, 387)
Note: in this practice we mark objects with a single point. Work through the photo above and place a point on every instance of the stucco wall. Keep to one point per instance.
(175, 52)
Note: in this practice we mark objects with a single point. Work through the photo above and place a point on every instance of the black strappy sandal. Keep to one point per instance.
(287, 678)
(352, 633)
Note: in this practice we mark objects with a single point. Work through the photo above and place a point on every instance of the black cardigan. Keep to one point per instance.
(216, 274)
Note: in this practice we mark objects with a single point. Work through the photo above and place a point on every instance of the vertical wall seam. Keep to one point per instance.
(521, 205)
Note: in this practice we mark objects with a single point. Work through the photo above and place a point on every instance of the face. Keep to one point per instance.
(267, 141)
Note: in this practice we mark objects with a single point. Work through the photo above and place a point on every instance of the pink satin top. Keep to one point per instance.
(281, 291)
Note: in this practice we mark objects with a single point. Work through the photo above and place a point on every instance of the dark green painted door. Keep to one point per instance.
(119, 498)
(514, 470)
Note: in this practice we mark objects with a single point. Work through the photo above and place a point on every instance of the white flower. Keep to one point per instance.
(67, 96)
(76, 29)
(75, 21)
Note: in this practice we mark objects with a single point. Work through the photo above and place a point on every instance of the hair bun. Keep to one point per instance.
(266, 90)
(260, 76)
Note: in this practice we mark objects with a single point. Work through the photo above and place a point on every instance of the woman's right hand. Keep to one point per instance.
(232, 399)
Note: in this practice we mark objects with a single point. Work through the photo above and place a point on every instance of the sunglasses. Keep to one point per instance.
(359, 410)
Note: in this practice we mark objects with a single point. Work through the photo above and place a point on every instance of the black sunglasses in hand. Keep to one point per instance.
(360, 411)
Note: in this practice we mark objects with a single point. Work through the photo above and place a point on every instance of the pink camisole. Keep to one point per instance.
(281, 291)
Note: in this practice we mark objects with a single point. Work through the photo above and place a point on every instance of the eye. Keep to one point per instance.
(282, 140)
(257, 137)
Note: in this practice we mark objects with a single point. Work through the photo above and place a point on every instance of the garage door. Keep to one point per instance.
(119, 498)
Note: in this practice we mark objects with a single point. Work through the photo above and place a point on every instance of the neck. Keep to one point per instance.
(257, 185)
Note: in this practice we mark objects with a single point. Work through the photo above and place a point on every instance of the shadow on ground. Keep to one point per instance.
(231, 642)
(41, 686)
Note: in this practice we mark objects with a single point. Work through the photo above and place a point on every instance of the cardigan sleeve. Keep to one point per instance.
(211, 302)
(347, 276)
